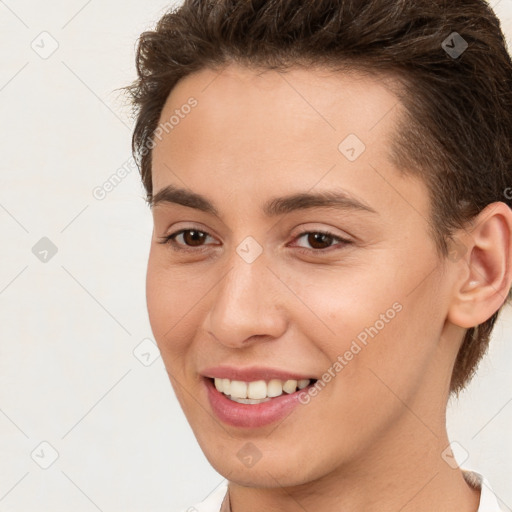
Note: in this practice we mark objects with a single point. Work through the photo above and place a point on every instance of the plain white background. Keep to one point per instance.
(86, 422)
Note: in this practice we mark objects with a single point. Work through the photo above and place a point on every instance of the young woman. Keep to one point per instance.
(332, 240)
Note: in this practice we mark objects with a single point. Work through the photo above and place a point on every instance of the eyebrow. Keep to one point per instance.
(272, 208)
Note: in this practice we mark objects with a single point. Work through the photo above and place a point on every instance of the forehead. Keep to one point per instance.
(264, 111)
(268, 130)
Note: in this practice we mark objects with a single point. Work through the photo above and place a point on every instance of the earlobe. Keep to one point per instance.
(485, 267)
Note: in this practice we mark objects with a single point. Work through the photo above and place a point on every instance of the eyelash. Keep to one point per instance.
(170, 240)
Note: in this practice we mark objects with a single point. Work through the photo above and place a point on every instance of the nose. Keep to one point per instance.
(248, 306)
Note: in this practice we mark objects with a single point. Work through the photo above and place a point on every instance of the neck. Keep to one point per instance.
(404, 472)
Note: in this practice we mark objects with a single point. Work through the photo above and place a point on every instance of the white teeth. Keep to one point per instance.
(301, 384)
(274, 388)
(258, 391)
(238, 389)
(226, 384)
(290, 386)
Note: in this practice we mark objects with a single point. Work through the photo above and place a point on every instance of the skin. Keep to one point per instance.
(373, 438)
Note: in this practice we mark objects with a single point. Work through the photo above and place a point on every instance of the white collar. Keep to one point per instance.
(488, 500)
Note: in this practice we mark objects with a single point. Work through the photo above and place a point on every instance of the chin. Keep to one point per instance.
(241, 461)
(262, 475)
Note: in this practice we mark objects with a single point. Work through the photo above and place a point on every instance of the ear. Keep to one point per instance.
(483, 255)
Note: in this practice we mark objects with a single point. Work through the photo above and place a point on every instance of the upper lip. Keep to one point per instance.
(252, 373)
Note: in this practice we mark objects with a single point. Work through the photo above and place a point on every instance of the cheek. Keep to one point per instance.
(371, 326)
(381, 349)
(340, 305)
(171, 303)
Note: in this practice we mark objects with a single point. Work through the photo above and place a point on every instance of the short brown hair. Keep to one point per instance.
(456, 130)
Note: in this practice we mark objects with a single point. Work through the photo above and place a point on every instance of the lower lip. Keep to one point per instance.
(251, 415)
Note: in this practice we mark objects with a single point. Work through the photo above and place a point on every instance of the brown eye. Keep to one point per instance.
(320, 241)
(186, 239)
(193, 237)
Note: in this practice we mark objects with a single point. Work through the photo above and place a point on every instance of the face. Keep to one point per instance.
(296, 256)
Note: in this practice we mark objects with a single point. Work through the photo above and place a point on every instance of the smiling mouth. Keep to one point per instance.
(259, 391)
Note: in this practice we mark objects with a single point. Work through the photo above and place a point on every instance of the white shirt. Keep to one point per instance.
(488, 501)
